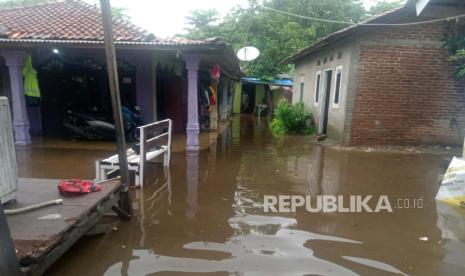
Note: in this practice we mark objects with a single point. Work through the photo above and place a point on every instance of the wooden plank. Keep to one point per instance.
(151, 154)
(37, 232)
(71, 237)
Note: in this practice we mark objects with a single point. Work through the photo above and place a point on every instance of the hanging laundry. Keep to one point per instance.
(213, 91)
(31, 84)
(215, 72)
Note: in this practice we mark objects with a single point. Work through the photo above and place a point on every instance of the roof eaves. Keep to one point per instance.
(199, 45)
(338, 35)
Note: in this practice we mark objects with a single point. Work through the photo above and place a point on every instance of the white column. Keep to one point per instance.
(463, 153)
(192, 180)
(224, 99)
(14, 61)
(192, 129)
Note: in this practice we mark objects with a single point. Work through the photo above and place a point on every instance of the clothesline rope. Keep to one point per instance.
(365, 24)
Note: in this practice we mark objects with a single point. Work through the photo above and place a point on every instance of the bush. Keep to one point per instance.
(291, 119)
(277, 127)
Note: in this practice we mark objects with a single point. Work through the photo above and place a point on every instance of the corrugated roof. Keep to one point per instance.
(277, 82)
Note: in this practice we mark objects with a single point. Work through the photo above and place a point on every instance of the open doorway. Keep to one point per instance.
(4, 80)
(323, 124)
(79, 84)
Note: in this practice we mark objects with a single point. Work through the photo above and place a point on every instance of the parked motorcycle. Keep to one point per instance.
(84, 126)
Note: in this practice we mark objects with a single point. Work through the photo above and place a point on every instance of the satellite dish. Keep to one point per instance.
(248, 53)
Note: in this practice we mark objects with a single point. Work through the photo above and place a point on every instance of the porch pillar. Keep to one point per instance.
(463, 153)
(224, 100)
(192, 129)
(192, 180)
(14, 61)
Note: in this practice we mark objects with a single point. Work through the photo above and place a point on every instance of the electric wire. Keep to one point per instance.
(364, 23)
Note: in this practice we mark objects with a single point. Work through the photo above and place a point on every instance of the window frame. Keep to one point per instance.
(317, 90)
(301, 88)
(334, 104)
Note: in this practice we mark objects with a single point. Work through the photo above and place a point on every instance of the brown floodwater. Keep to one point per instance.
(205, 216)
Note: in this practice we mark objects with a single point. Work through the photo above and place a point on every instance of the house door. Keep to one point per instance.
(172, 99)
(328, 76)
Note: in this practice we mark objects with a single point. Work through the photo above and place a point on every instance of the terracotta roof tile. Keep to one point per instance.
(64, 20)
(178, 40)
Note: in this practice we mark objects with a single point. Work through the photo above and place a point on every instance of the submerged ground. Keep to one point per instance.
(205, 215)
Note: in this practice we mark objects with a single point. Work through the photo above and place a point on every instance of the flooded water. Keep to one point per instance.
(205, 215)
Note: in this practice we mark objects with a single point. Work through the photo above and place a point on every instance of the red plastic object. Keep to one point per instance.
(78, 186)
(215, 71)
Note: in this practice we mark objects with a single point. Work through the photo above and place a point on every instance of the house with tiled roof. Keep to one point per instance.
(386, 81)
(65, 40)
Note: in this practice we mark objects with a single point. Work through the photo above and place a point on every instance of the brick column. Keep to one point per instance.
(14, 61)
(192, 129)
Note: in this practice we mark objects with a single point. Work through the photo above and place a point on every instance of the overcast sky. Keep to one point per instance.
(167, 17)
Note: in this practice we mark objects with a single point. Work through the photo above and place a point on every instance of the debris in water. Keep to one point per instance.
(123, 246)
(375, 264)
(51, 216)
(169, 213)
(425, 239)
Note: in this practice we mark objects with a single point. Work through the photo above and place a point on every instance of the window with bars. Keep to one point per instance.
(337, 87)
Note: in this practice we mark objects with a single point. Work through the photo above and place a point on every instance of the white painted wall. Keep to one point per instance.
(306, 69)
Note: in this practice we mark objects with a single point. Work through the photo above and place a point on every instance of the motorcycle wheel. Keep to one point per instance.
(134, 136)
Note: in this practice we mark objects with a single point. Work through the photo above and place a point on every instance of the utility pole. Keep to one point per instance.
(124, 209)
(8, 262)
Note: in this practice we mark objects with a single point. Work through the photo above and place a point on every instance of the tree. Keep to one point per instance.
(204, 24)
(455, 43)
(384, 6)
(15, 3)
(120, 12)
(276, 35)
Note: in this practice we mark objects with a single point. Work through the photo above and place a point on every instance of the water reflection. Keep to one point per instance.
(254, 249)
(206, 216)
(192, 175)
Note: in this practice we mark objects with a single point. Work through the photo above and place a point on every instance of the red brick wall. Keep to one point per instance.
(407, 94)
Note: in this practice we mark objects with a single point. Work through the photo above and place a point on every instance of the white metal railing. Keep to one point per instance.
(8, 168)
(146, 141)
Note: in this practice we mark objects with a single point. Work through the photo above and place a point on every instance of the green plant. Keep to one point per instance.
(459, 59)
(277, 127)
(455, 42)
(291, 119)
